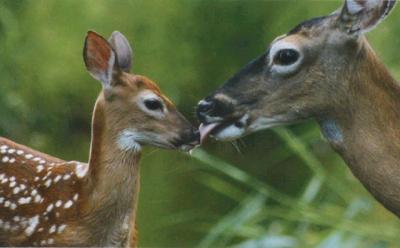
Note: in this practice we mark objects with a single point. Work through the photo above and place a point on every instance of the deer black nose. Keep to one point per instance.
(212, 108)
(204, 106)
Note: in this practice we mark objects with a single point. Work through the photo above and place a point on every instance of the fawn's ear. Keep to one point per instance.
(124, 51)
(360, 16)
(99, 58)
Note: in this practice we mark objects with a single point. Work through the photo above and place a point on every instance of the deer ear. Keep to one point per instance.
(361, 16)
(124, 51)
(99, 58)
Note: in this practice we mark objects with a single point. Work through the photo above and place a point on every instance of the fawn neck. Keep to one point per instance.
(113, 182)
(365, 128)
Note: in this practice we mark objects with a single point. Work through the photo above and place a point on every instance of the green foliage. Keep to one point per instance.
(279, 188)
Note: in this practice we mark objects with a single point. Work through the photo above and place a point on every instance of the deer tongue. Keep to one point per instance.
(205, 130)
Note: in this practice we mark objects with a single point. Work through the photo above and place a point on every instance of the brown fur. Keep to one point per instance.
(90, 204)
(340, 82)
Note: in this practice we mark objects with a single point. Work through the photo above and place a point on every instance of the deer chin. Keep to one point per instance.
(224, 131)
(228, 131)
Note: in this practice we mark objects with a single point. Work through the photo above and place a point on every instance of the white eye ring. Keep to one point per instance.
(283, 69)
(147, 97)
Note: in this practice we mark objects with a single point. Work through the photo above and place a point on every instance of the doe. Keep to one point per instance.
(45, 201)
(324, 69)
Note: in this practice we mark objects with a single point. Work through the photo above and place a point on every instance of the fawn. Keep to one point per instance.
(45, 201)
(324, 69)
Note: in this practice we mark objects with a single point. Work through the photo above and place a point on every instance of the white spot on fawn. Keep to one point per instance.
(61, 228)
(66, 177)
(24, 200)
(50, 207)
(48, 183)
(33, 222)
(39, 168)
(75, 198)
(16, 190)
(81, 169)
(57, 178)
(52, 229)
(28, 156)
(5, 159)
(34, 192)
(58, 203)
(68, 204)
(13, 206)
(38, 198)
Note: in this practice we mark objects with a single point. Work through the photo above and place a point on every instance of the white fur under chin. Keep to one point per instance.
(355, 7)
(127, 141)
(230, 133)
(233, 132)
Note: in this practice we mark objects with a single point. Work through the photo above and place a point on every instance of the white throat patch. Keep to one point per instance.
(128, 141)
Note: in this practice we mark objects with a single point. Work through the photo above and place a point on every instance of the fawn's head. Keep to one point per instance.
(134, 109)
(303, 74)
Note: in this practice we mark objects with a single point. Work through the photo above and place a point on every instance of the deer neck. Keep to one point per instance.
(113, 182)
(365, 129)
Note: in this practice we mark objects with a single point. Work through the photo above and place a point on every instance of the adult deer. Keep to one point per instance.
(45, 201)
(323, 69)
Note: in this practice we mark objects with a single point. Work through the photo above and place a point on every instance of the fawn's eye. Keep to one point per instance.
(153, 104)
(286, 57)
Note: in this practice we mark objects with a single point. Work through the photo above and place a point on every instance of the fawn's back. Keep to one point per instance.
(39, 194)
(49, 202)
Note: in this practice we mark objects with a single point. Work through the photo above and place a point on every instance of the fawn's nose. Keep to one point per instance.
(195, 137)
(212, 109)
(190, 138)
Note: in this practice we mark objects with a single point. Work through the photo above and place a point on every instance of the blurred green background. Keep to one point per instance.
(278, 188)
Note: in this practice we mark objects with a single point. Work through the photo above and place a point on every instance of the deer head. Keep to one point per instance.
(306, 73)
(134, 109)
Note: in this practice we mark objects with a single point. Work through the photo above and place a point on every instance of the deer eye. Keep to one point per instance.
(153, 104)
(286, 57)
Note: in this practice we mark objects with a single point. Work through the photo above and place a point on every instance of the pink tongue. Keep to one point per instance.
(205, 130)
